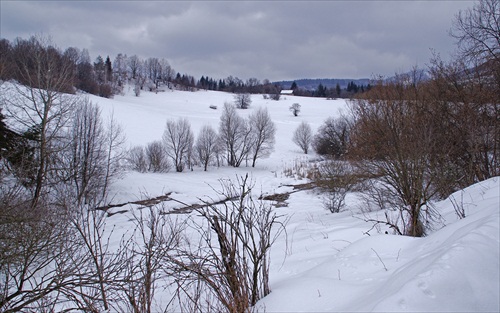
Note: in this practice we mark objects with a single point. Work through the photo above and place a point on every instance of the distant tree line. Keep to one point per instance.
(106, 77)
(334, 92)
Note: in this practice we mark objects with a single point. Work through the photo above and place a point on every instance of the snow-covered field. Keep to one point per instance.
(327, 263)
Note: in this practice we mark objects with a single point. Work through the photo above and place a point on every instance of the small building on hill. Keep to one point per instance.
(286, 92)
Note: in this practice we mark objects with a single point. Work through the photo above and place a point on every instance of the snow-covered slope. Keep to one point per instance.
(327, 262)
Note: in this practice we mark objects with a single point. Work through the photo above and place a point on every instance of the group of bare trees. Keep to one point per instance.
(412, 139)
(58, 252)
(60, 158)
(238, 140)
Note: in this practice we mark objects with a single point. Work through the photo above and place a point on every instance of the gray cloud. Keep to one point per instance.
(264, 39)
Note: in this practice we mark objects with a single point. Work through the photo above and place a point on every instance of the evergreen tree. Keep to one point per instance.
(321, 91)
(5, 136)
(108, 70)
(99, 70)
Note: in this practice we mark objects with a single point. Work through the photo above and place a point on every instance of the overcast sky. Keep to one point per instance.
(277, 40)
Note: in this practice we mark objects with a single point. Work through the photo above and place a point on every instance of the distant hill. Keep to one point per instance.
(312, 84)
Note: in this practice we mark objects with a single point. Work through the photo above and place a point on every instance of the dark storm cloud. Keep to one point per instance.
(263, 39)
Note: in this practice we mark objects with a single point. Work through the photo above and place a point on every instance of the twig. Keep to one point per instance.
(380, 259)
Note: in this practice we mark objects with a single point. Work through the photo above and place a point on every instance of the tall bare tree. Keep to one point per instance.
(302, 136)
(477, 31)
(236, 135)
(207, 145)
(263, 134)
(41, 106)
(84, 160)
(393, 140)
(178, 139)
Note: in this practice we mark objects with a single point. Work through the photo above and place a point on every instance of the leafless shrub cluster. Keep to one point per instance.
(229, 265)
(332, 138)
(336, 178)
(152, 158)
(301, 169)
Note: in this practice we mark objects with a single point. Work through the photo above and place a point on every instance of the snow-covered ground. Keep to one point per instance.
(326, 263)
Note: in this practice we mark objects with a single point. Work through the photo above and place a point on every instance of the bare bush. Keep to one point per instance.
(39, 257)
(232, 258)
(137, 159)
(332, 137)
(156, 236)
(102, 264)
(156, 157)
(336, 178)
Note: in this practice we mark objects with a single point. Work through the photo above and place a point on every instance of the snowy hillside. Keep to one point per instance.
(327, 262)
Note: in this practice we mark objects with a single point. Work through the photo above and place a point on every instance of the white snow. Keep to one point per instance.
(327, 263)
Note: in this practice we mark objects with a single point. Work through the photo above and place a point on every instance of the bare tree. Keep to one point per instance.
(303, 136)
(84, 162)
(477, 30)
(178, 140)
(235, 134)
(263, 134)
(115, 152)
(41, 105)
(119, 73)
(242, 100)
(134, 64)
(167, 72)
(393, 140)
(154, 70)
(207, 145)
(477, 84)
(295, 108)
